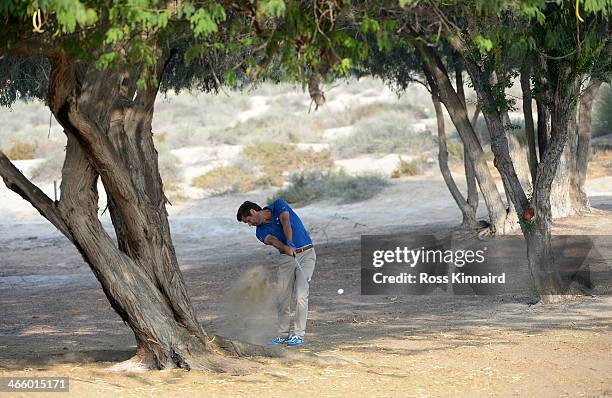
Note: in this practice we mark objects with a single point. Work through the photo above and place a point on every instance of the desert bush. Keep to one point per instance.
(383, 135)
(276, 126)
(274, 159)
(318, 185)
(355, 113)
(226, 179)
(227, 135)
(160, 137)
(168, 166)
(21, 150)
(455, 150)
(407, 168)
(602, 120)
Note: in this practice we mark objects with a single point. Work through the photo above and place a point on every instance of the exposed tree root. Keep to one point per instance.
(134, 364)
(243, 349)
(235, 363)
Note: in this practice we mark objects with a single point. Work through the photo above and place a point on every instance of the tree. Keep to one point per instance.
(398, 64)
(495, 40)
(105, 66)
(567, 56)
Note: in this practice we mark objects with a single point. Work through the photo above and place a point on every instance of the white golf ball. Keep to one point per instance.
(340, 291)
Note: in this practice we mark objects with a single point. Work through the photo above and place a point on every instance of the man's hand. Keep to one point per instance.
(280, 246)
(290, 250)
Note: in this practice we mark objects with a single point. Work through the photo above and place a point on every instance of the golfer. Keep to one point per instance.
(279, 226)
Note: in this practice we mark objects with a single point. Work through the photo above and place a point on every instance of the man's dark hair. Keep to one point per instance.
(245, 209)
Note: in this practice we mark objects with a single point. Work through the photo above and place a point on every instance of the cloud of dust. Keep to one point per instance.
(250, 307)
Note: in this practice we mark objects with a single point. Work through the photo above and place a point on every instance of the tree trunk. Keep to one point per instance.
(499, 140)
(539, 251)
(562, 112)
(546, 278)
(537, 230)
(467, 211)
(528, 116)
(563, 193)
(583, 152)
(436, 75)
(543, 125)
(565, 197)
(107, 121)
(470, 175)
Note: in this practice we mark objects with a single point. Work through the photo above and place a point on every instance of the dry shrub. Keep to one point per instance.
(21, 150)
(600, 164)
(316, 185)
(274, 159)
(388, 134)
(160, 137)
(455, 151)
(226, 179)
(407, 168)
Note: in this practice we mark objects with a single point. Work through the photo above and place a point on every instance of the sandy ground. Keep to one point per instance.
(55, 320)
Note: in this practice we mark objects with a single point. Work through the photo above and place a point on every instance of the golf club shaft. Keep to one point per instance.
(301, 269)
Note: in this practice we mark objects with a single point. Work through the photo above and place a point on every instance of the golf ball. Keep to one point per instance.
(340, 291)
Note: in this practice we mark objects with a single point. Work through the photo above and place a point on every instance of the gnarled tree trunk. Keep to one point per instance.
(107, 121)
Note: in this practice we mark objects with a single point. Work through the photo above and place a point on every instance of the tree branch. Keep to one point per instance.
(18, 183)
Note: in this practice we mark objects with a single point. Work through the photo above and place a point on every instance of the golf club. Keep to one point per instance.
(300, 268)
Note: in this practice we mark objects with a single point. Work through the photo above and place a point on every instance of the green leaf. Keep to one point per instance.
(273, 8)
(162, 19)
(230, 77)
(186, 11)
(344, 67)
(107, 60)
(202, 23)
(484, 45)
(113, 35)
(369, 25)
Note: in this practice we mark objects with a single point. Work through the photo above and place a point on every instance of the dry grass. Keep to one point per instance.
(407, 168)
(600, 164)
(389, 133)
(225, 180)
(455, 151)
(275, 160)
(21, 150)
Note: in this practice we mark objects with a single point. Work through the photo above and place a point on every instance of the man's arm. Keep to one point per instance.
(283, 248)
(285, 220)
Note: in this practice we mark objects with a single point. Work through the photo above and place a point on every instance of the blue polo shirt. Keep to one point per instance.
(275, 228)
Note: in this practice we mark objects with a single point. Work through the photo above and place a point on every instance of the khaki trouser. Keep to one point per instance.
(289, 279)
